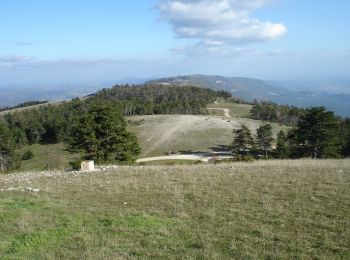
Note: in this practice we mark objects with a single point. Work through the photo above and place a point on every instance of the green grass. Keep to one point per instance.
(52, 156)
(260, 210)
(236, 110)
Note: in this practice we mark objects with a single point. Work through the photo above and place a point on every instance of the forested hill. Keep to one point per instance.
(160, 99)
(53, 123)
(250, 89)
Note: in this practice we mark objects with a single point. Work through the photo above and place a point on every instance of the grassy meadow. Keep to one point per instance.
(158, 134)
(259, 210)
(46, 157)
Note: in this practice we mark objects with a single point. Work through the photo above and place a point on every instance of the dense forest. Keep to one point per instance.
(272, 112)
(160, 99)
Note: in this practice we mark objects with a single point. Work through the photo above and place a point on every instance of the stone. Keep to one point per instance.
(87, 166)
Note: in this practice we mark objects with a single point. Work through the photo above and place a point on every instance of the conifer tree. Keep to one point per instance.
(8, 158)
(243, 142)
(101, 135)
(346, 137)
(264, 138)
(282, 146)
(318, 134)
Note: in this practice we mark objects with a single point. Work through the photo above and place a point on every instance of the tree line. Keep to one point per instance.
(272, 112)
(24, 104)
(160, 99)
(317, 134)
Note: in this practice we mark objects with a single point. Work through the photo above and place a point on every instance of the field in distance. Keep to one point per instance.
(235, 109)
(265, 209)
(158, 134)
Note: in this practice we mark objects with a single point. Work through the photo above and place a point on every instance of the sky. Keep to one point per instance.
(88, 41)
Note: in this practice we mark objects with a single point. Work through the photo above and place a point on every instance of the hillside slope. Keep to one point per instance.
(295, 209)
(159, 134)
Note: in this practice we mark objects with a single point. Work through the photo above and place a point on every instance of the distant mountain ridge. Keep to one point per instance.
(245, 88)
(334, 95)
(250, 89)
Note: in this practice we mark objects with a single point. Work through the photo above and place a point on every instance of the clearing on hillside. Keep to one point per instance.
(159, 134)
(235, 109)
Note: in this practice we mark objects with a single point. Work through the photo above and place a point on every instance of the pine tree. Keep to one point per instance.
(282, 148)
(318, 134)
(8, 158)
(243, 142)
(101, 135)
(346, 138)
(264, 138)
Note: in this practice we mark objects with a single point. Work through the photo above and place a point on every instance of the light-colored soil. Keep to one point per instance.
(225, 111)
(159, 134)
(203, 157)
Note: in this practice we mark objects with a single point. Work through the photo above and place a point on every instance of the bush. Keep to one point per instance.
(75, 165)
(27, 155)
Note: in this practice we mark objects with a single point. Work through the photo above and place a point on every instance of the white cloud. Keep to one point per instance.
(10, 59)
(219, 22)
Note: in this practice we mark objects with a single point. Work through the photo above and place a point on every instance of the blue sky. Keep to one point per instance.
(104, 40)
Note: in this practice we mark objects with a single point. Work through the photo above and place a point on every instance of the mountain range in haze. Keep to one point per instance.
(333, 94)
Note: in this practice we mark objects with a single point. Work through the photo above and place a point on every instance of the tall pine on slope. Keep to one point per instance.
(346, 137)
(264, 138)
(282, 150)
(243, 142)
(317, 134)
(8, 158)
(101, 135)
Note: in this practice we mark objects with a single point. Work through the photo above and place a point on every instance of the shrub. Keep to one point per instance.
(75, 165)
(27, 155)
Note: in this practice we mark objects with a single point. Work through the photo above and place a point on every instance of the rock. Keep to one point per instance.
(87, 166)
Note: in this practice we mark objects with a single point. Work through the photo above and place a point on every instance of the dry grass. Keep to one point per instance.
(158, 134)
(265, 209)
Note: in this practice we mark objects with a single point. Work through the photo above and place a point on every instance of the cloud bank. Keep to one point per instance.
(10, 59)
(219, 24)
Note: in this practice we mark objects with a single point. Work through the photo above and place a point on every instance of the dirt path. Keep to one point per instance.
(204, 157)
(225, 110)
(190, 157)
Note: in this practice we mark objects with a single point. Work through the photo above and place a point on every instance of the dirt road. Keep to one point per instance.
(225, 110)
(204, 157)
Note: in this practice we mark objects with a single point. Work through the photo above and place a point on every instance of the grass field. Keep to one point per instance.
(236, 110)
(260, 210)
(51, 156)
(158, 134)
